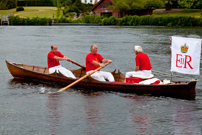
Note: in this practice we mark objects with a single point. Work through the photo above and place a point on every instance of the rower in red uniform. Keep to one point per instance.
(143, 65)
(53, 59)
(94, 61)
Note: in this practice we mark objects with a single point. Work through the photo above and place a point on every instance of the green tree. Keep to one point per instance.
(125, 5)
(77, 7)
(187, 4)
(154, 3)
(7, 4)
(59, 6)
(198, 4)
(63, 2)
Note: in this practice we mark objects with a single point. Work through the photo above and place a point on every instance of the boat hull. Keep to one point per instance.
(41, 73)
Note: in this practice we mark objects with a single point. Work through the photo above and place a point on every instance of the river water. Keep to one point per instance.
(25, 111)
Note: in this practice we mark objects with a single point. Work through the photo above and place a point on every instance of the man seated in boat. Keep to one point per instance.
(94, 61)
(143, 65)
(54, 57)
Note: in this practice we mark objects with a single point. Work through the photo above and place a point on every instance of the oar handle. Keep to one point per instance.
(77, 64)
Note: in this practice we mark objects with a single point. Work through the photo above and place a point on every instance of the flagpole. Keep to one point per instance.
(171, 76)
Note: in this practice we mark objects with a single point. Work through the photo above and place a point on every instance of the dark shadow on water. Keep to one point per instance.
(93, 91)
(185, 97)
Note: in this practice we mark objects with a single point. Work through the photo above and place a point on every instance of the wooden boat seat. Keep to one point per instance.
(119, 77)
(35, 68)
(79, 72)
(46, 71)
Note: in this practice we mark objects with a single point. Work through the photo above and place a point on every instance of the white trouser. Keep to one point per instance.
(62, 70)
(143, 72)
(102, 76)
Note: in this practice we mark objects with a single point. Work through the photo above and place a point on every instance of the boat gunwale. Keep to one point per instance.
(101, 82)
(52, 75)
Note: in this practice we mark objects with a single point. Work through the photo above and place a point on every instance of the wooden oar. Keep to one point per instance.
(77, 64)
(78, 80)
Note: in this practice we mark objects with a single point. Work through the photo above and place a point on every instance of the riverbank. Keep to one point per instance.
(160, 17)
(172, 21)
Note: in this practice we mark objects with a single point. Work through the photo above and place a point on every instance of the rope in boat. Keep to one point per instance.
(169, 75)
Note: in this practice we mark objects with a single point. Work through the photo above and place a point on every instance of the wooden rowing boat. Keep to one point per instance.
(42, 73)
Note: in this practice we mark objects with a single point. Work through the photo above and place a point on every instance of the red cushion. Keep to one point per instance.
(156, 82)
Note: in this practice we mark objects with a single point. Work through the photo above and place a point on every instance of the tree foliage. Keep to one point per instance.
(198, 4)
(125, 5)
(35, 3)
(59, 6)
(189, 4)
(154, 3)
(186, 3)
(77, 7)
(7, 4)
(63, 2)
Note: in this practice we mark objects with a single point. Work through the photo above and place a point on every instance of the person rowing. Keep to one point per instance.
(53, 59)
(143, 65)
(94, 61)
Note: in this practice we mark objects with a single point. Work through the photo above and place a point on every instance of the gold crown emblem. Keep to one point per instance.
(184, 48)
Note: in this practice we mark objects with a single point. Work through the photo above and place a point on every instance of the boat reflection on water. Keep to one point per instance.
(53, 105)
(140, 113)
(179, 114)
(185, 120)
(56, 107)
(97, 110)
(54, 115)
(93, 103)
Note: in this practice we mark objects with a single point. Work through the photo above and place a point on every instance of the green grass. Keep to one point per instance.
(32, 12)
(6, 12)
(186, 12)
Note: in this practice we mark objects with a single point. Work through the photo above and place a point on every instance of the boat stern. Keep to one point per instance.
(192, 86)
